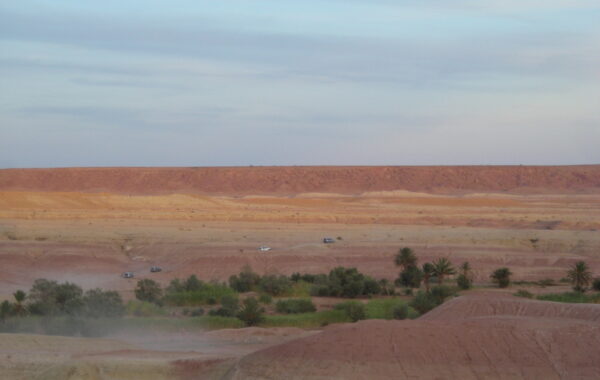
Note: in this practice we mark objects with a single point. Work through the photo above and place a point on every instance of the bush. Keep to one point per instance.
(5, 310)
(148, 290)
(401, 311)
(306, 320)
(371, 286)
(502, 277)
(295, 306)
(245, 281)
(229, 307)
(410, 277)
(464, 282)
(265, 299)
(423, 302)
(310, 278)
(51, 298)
(143, 309)
(197, 312)
(251, 313)
(408, 292)
(441, 292)
(596, 284)
(354, 310)
(99, 304)
(208, 294)
(275, 285)
(570, 297)
(383, 308)
(344, 282)
(524, 293)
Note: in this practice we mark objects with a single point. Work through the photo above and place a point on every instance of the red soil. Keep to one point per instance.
(509, 345)
(294, 180)
(493, 304)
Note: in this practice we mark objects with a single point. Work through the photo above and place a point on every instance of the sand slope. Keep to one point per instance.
(441, 346)
(295, 180)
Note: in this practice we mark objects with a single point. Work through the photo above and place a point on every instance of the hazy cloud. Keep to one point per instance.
(316, 82)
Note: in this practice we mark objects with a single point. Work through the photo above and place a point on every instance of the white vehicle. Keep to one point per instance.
(127, 275)
(264, 248)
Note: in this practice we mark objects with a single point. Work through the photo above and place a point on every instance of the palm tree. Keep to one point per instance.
(428, 270)
(405, 258)
(442, 267)
(580, 276)
(465, 279)
(502, 277)
(19, 298)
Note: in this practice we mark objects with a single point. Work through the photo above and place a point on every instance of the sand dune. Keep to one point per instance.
(544, 343)
(486, 304)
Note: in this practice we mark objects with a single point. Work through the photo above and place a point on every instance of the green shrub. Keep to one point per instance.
(410, 277)
(103, 304)
(265, 299)
(229, 307)
(570, 297)
(401, 311)
(355, 310)
(423, 302)
(148, 290)
(524, 293)
(310, 278)
(207, 294)
(464, 282)
(295, 306)
(596, 284)
(245, 281)
(5, 310)
(344, 282)
(502, 277)
(51, 298)
(275, 285)
(251, 313)
(383, 308)
(143, 309)
(408, 292)
(441, 292)
(197, 312)
(300, 289)
(306, 320)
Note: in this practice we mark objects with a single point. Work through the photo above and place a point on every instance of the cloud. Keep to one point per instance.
(397, 82)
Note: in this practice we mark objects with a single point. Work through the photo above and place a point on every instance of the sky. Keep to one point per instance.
(312, 82)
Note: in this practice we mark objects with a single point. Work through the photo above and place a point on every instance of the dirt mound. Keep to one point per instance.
(295, 180)
(494, 304)
(489, 347)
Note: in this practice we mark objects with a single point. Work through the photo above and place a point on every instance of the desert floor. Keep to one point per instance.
(90, 238)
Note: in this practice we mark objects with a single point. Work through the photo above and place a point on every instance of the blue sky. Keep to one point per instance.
(317, 82)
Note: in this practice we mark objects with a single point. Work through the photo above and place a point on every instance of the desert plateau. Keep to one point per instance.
(88, 226)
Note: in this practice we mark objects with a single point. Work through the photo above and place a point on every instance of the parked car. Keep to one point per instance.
(127, 275)
(264, 248)
(328, 240)
(155, 269)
